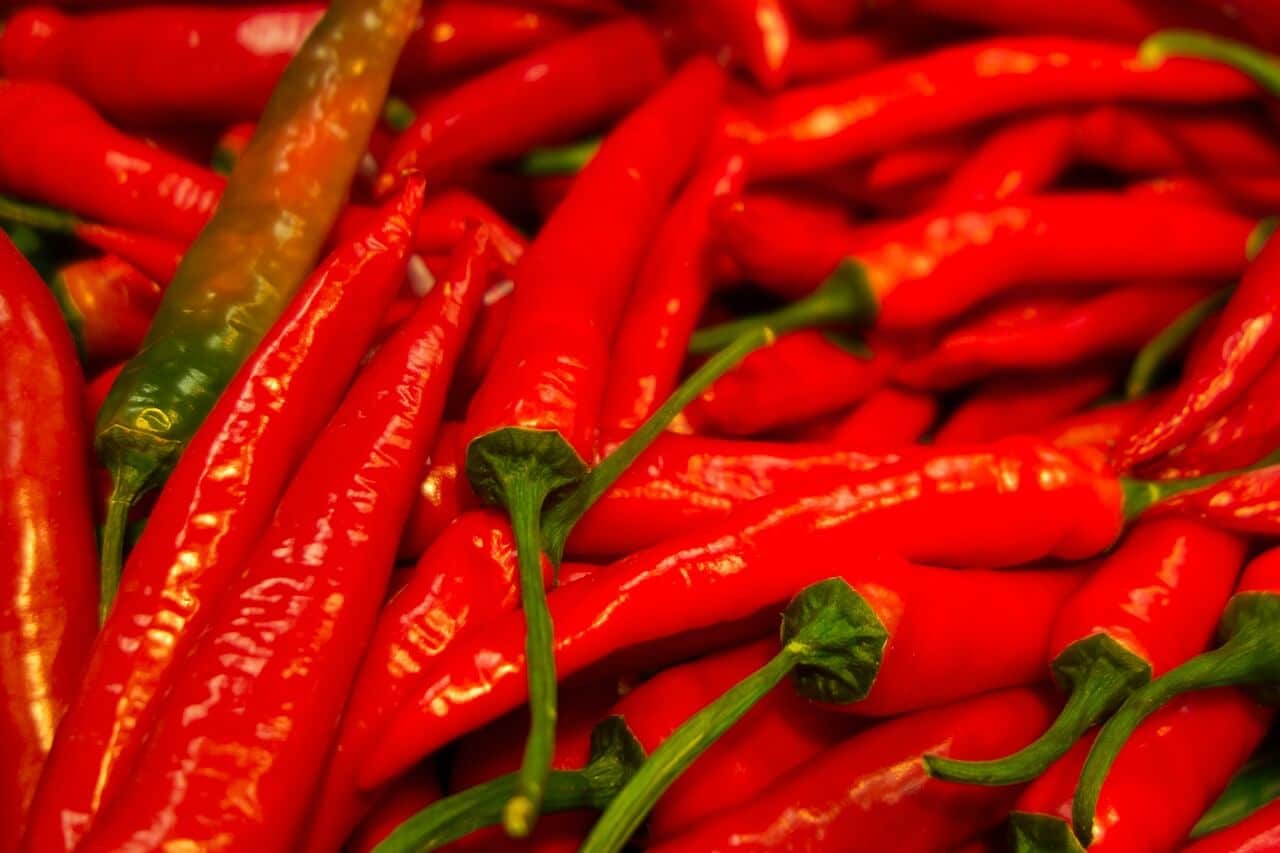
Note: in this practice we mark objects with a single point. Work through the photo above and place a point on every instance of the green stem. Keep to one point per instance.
(1102, 686)
(561, 160)
(615, 756)
(126, 484)
(1262, 67)
(1152, 357)
(830, 637)
(844, 298)
(1256, 785)
(34, 216)
(1031, 832)
(558, 522)
(1141, 495)
(1260, 236)
(1251, 656)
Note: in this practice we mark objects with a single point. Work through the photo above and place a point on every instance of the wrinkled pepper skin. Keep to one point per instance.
(873, 789)
(48, 580)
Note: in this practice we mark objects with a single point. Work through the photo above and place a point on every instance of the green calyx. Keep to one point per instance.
(1151, 359)
(845, 298)
(561, 160)
(829, 636)
(615, 757)
(569, 507)
(1259, 65)
(1250, 656)
(1141, 495)
(536, 460)
(1256, 785)
(1100, 674)
(1041, 833)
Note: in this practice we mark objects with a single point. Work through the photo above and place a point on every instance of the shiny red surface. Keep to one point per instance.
(1014, 404)
(888, 418)
(1020, 159)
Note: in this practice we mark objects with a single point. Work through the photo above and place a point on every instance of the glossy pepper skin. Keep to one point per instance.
(888, 419)
(758, 35)
(1257, 833)
(1099, 428)
(1246, 503)
(749, 559)
(823, 125)
(1147, 141)
(1243, 343)
(269, 228)
(874, 788)
(210, 514)
(108, 305)
(1188, 751)
(48, 593)
(1050, 331)
(306, 602)
(1011, 405)
(93, 169)
(564, 88)
(1022, 158)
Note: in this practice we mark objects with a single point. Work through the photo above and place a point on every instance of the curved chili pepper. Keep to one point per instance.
(820, 60)
(670, 292)
(222, 494)
(1099, 428)
(1248, 656)
(1020, 159)
(1056, 501)
(1047, 331)
(814, 127)
(531, 429)
(1153, 142)
(756, 35)
(447, 218)
(1254, 787)
(1152, 605)
(565, 88)
(304, 606)
(157, 257)
(108, 305)
(1200, 742)
(1011, 405)
(95, 170)
(934, 266)
(239, 274)
(1170, 341)
(1248, 503)
(874, 789)
(803, 375)
(46, 517)
(888, 418)
(1257, 833)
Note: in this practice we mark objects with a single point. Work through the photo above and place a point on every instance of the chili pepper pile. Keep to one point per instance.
(639, 424)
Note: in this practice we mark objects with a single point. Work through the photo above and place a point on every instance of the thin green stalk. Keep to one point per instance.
(1160, 349)
(1141, 495)
(1261, 66)
(561, 160)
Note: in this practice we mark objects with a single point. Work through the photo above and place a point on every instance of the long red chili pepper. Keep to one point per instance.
(1153, 142)
(935, 266)
(1023, 404)
(1248, 656)
(1248, 503)
(874, 789)
(1049, 331)
(1188, 751)
(670, 292)
(532, 428)
(887, 419)
(1058, 503)
(1099, 428)
(820, 60)
(95, 170)
(1020, 159)
(1152, 605)
(47, 586)
(565, 88)
(803, 375)
(108, 304)
(1257, 833)
(817, 126)
(306, 602)
(221, 495)
(757, 35)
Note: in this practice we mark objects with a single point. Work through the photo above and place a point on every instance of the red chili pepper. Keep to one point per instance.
(829, 15)
(48, 582)
(1098, 428)
(803, 375)
(1057, 503)
(108, 304)
(1188, 752)
(559, 91)
(95, 170)
(1049, 331)
(1257, 833)
(447, 218)
(874, 789)
(409, 796)
(1244, 343)
(1248, 503)
(814, 127)
(1020, 404)
(532, 426)
(888, 418)
(1020, 159)
(1146, 141)
(220, 497)
(820, 60)
(756, 35)
(305, 603)
(670, 292)
(1152, 605)
(1247, 657)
